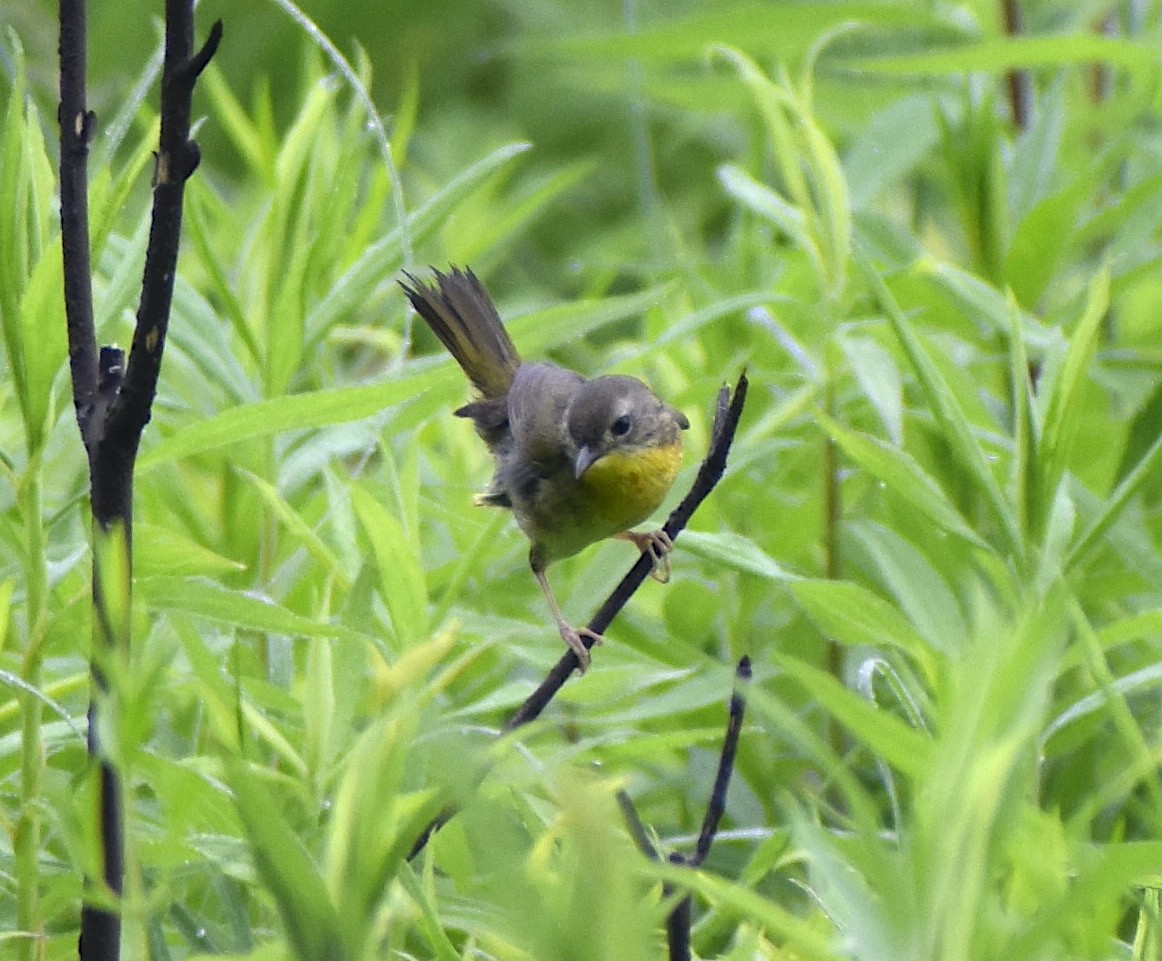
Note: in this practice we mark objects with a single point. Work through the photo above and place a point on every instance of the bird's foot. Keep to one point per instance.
(658, 544)
(574, 637)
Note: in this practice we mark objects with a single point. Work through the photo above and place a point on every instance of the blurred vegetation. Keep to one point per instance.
(939, 538)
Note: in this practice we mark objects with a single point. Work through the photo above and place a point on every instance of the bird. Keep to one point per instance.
(576, 459)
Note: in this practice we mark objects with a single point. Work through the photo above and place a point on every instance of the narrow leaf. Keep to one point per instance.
(899, 470)
(312, 923)
(401, 571)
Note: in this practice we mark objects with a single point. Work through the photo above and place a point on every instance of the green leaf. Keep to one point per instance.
(161, 551)
(384, 258)
(471, 242)
(899, 471)
(889, 146)
(781, 30)
(875, 369)
(425, 900)
(760, 199)
(374, 822)
(537, 333)
(296, 412)
(209, 600)
(294, 524)
(921, 592)
(1022, 468)
(1040, 242)
(245, 135)
(1063, 412)
(1114, 505)
(31, 305)
(803, 938)
(889, 738)
(42, 318)
(402, 582)
(311, 920)
(984, 304)
(955, 427)
(853, 615)
(810, 171)
(733, 551)
(995, 55)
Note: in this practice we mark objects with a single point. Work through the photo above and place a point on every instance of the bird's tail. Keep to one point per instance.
(462, 316)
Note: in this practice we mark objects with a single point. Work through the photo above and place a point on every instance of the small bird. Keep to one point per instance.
(576, 460)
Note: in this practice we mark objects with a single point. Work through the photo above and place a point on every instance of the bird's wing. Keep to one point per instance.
(537, 403)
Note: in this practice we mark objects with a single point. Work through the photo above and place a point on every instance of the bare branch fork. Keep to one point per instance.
(113, 400)
(678, 922)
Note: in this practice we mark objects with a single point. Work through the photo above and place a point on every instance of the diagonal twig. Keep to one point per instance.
(717, 805)
(679, 920)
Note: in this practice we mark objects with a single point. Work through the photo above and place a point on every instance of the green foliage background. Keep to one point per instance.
(939, 538)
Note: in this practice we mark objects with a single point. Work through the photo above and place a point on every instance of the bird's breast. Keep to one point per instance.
(624, 487)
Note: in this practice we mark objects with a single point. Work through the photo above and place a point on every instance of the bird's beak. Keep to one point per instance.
(585, 457)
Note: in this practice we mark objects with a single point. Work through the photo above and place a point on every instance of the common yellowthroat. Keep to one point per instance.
(577, 460)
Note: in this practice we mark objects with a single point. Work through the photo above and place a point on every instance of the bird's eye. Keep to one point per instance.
(620, 427)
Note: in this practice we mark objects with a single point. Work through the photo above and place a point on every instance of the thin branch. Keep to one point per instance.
(113, 404)
(709, 474)
(678, 925)
(678, 921)
(717, 805)
(1019, 83)
(77, 125)
(176, 160)
(637, 830)
(432, 827)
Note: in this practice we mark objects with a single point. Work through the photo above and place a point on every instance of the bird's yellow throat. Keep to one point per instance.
(624, 487)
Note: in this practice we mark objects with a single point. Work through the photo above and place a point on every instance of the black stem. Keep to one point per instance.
(176, 160)
(679, 920)
(717, 803)
(1019, 83)
(76, 130)
(709, 474)
(637, 830)
(113, 403)
(678, 925)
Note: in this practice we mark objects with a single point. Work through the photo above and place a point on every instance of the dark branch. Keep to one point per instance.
(433, 826)
(176, 160)
(709, 474)
(717, 803)
(113, 404)
(100, 938)
(678, 925)
(76, 131)
(1019, 83)
(637, 830)
(678, 922)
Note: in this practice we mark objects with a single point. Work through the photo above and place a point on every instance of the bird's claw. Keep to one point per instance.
(658, 544)
(574, 638)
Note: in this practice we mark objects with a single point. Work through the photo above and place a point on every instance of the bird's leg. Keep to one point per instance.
(658, 545)
(571, 636)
